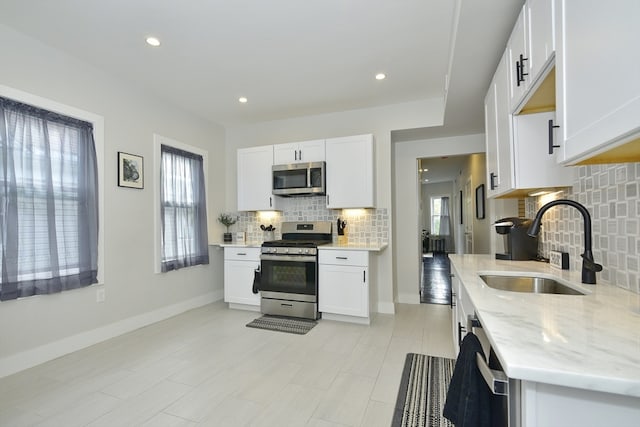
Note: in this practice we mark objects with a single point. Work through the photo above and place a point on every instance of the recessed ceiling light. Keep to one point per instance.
(152, 41)
(381, 76)
(242, 100)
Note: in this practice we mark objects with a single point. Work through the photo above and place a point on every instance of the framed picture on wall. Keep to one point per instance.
(130, 170)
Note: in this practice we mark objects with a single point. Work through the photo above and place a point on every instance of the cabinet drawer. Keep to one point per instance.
(242, 254)
(343, 257)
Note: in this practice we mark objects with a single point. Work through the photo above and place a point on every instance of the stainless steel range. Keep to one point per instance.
(289, 270)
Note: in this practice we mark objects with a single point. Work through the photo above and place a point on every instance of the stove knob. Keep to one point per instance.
(306, 251)
(286, 251)
(299, 251)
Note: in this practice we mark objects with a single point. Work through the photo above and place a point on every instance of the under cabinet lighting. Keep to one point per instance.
(538, 193)
(242, 100)
(381, 76)
(353, 212)
(267, 215)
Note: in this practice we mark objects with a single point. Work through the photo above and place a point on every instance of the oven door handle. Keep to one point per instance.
(295, 258)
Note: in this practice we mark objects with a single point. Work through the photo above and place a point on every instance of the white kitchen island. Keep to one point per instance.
(577, 356)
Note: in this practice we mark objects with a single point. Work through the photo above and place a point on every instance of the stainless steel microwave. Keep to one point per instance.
(299, 179)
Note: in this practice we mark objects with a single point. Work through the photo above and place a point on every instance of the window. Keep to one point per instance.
(440, 221)
(48, 201)
(183, 210)
(436, 206)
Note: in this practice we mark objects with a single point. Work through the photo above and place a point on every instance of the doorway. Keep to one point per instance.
(439, 207)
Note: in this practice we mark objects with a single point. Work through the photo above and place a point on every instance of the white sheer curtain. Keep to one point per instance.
(48, 202)
(183, 209)
(446, 230)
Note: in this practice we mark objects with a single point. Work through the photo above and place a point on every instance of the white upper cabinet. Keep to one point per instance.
(299, 152)
(254, 179)
(498, 132)
(518, 57)
(517, 147)
(535, 163)
(597, 77)
(350, 178)
(531, 50)
(541, 32)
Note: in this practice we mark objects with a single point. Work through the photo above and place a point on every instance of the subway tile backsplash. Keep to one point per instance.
(364, 226)
(610, 193)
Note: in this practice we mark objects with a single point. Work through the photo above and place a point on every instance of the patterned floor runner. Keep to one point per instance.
(283, 324)
(422, 392)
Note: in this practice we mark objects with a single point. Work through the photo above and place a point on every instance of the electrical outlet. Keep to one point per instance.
(559, 260)
(100, 295)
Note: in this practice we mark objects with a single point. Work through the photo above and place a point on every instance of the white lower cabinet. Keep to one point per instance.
(239, 268)
(462, 309)
(343, 282)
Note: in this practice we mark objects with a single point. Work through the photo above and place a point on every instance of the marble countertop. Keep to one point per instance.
(372, 247)
(588, 342)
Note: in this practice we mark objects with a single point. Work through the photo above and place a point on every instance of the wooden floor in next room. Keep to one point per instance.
(435, 279)
(206, 368)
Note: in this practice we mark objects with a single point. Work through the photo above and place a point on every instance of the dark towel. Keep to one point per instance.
(257, 277)
(468, 398)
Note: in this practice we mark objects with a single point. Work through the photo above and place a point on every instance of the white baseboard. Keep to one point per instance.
(413, 298)
(349, 319)
(30, 358)
(386, 308)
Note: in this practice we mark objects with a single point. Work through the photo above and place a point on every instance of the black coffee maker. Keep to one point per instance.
(518, 245)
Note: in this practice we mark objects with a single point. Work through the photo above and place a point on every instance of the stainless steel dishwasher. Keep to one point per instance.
(505, 392)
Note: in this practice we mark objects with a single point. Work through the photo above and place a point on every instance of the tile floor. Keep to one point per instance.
(205, 368)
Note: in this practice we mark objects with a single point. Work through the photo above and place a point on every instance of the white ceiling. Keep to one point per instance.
(288, 57)
(442, 169)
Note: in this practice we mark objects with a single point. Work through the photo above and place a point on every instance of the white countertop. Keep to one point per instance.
(589, 342)
(372, 247)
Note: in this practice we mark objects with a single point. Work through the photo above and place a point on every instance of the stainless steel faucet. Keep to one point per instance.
(589, 267)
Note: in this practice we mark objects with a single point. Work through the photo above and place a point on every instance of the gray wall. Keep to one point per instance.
(37, 328)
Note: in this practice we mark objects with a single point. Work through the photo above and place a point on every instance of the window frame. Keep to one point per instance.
(431, 199)
(158, 141)
(98, 136)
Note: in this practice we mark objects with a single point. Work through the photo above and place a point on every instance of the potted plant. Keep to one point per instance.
(227, 221)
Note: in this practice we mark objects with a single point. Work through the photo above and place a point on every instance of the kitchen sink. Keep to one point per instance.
(528, 284)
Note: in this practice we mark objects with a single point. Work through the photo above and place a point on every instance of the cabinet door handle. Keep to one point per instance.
(364, 276)
(270, 202)
(299, 154)
(461, 330)
(518, 78)
(522, 73)
(452, 302)
(241, 254)
(295, 154)
(551, 145)
(492, 178)
(341, 257)
(327, 200)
